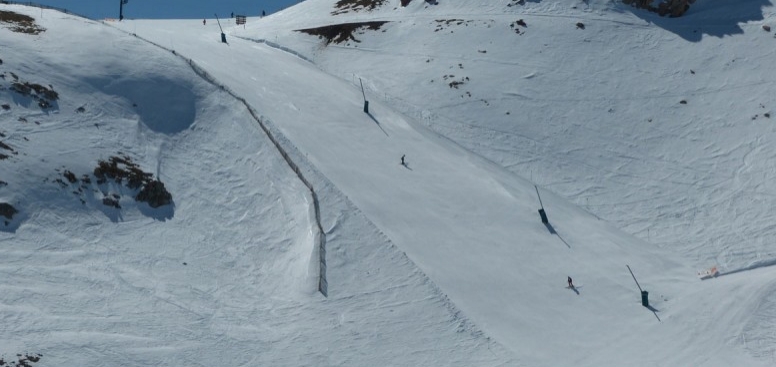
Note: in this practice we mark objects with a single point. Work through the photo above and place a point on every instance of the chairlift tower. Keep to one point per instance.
(121, 9)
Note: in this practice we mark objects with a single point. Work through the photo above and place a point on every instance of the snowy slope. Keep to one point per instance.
(482, 281)
(465, 236)
(657, 125)
(661, 126)
(222, 276)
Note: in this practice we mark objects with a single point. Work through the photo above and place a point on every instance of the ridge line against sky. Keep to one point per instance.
(167, 9)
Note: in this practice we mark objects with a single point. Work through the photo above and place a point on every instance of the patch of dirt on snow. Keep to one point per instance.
(22, 360)
(20, 23)
(344, 6)
(340, 33)
(442, 24)
(672, 8)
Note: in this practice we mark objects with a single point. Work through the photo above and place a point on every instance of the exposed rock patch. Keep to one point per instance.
(7, 210)
(44, 96)
(21, 360)
(154, 194)
(673, 8)
(340, 33)
(20, 23)
(120, 170)
(344, 6)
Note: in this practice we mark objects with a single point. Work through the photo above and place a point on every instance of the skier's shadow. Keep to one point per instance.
(406, 165)
(573, 288)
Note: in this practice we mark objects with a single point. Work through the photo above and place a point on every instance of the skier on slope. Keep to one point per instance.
(402, 159)
(571, 285)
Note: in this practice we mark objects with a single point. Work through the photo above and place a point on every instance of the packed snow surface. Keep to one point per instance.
(647, 140)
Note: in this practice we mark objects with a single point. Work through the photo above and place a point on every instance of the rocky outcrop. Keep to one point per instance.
(672, 8)
(154, 194)
(119, 170)
(7, 210)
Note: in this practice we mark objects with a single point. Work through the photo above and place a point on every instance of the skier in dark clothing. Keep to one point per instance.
(402, 159)
(571, 285)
